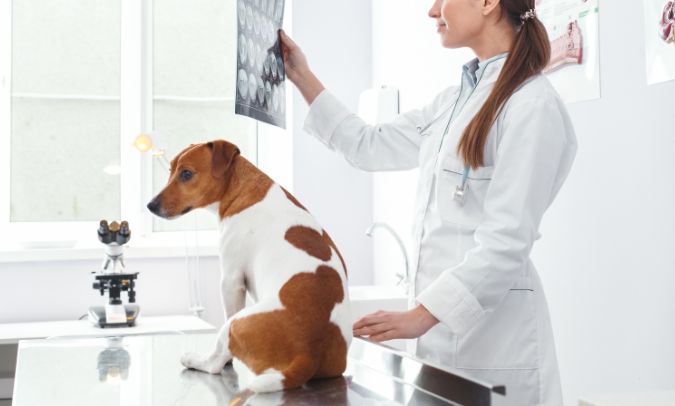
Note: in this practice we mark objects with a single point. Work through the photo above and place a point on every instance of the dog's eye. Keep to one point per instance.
(185, 175)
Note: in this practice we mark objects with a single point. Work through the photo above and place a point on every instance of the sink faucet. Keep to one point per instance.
(402, 278)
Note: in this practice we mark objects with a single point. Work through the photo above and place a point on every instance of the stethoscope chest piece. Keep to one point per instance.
(460, 193)
(460, 190)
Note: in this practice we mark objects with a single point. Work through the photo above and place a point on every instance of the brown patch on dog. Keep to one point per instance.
(315, 244)
(312, 345)
(309, 240)
(334, 360)
(247, 185)
(330, 242)
(294, 200)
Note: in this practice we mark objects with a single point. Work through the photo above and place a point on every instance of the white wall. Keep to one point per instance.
(608, 254)
(41, 291)
(606, 257)
(336, 41)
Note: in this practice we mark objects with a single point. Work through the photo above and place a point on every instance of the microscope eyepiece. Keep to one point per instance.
(124, 233)
(104, 232)
(115, 232)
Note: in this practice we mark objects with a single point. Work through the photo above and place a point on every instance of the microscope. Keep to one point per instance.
(114, 279)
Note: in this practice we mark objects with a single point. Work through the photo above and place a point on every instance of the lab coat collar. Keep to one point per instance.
(484, 71)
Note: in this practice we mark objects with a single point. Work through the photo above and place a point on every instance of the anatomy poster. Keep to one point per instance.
(659, 40)
(572, 26)
(261, 77)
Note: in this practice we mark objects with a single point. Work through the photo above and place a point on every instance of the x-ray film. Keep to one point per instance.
(261, 78)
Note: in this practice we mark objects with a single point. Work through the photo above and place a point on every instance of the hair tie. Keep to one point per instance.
(528, 15)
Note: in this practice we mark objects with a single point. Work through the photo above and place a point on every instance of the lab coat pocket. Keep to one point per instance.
(470, 213)
(505, 338)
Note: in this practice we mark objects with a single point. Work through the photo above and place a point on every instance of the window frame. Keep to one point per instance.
(5, 75)
(18, 241)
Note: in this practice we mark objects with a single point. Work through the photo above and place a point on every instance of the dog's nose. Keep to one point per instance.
(154, 205)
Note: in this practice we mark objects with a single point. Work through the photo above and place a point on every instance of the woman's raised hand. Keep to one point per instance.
(294, 59)
(297, 69)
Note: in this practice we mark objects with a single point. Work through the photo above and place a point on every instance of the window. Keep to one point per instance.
(81, 79)
(65, 111)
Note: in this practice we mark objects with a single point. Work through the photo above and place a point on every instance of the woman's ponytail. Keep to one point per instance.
(530, 54)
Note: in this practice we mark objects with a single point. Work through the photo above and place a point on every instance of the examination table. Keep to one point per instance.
(145, 370)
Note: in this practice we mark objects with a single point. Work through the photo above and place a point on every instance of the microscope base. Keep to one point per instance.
(98, 316)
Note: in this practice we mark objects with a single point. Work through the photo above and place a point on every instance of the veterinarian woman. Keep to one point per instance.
(492, 154)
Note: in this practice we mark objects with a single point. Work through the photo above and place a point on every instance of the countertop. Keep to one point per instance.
(145, 370)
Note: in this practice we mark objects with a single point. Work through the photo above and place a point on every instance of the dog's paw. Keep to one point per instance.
(211, 364)
(265, 383)
(191, 360)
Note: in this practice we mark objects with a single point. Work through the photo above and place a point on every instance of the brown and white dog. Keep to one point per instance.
(300, 326)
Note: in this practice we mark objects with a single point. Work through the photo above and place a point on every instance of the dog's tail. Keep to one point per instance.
(299, 371)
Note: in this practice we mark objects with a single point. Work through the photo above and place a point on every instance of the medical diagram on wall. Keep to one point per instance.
(572, 27)
(261, 77)
(659, 40)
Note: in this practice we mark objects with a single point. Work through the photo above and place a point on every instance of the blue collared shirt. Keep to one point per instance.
(471, 74)
(473, 69)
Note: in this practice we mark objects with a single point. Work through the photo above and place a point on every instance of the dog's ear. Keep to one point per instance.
(222, 155)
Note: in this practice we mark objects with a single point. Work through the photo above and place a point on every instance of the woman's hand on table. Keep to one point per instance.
(383, 326)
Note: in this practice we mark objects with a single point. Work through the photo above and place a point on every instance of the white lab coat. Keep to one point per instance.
(471, 262)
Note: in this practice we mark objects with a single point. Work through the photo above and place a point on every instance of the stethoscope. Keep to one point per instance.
(460, 190)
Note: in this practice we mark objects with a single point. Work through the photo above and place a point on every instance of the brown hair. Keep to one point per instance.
(531, 52)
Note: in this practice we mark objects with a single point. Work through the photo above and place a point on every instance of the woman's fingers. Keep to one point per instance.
(287, 41)
(385, 336)
(371, 330)
(375, 318)
(284, 54)
(373, 324)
